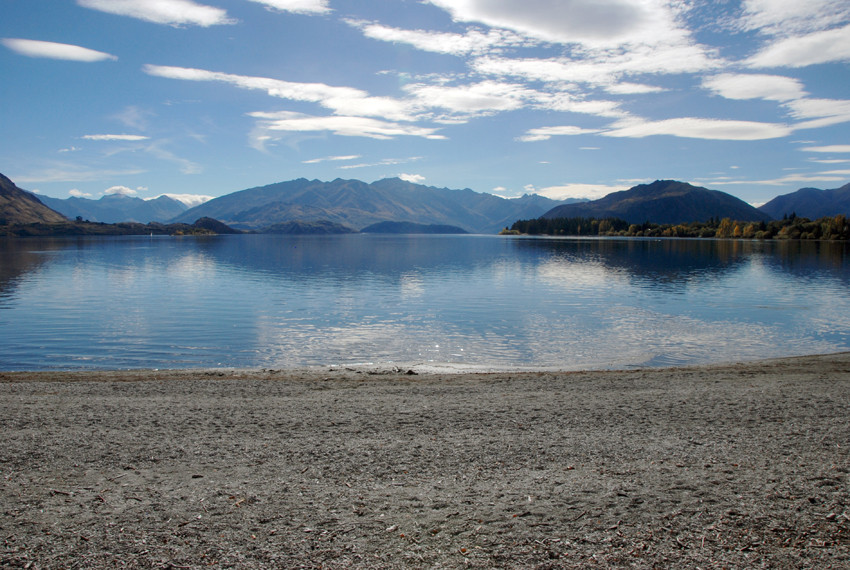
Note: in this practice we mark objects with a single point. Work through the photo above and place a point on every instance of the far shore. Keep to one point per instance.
(728, 465)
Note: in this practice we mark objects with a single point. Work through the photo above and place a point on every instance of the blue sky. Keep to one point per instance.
(566, 98)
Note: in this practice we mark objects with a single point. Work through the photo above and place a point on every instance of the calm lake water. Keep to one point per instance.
(484, 302)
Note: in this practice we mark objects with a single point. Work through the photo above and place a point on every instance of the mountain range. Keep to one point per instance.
(114, 208)
(357, 204)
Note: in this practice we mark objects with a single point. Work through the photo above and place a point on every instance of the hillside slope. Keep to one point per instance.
(663, 202)
(810, 203)
(21, 207)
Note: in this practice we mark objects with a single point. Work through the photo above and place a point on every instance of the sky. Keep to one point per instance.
(565, 98)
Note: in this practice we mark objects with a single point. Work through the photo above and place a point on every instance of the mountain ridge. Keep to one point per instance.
(18, 206)
(358, 204)
(663, 202)
(114, 208)
(810, 203)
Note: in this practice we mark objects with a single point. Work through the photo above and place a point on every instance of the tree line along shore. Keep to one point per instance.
(793, 227)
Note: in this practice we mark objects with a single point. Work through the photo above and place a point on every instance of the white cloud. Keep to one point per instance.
(382, 162)
(789, 17)
(186, 166)
(482, 98)
(190, 200)
(331, 158)
(471, 42)
(122, 190)
(590, 22)
(78, 194)
(686, 127)
(829, 176)
(632, 89)
(699, 128)
(341, 125)
(342, 100)
(588, 191)
(171, 12)
(830, 148)
(115, 137)
(52, 50)
(73, 172)
(412, 178)
(298, 6)
(800, 51)
(545, 133)
(753, 86)
(822, 112)
(604, 67)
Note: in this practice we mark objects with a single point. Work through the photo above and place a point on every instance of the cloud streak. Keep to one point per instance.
(169, 12)
(310, 7)
(115, 137)
(52, 50)
(286, 121)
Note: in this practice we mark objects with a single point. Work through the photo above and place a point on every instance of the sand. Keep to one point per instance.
(727, 466)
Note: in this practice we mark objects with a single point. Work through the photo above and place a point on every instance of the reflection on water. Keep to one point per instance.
(478, 301)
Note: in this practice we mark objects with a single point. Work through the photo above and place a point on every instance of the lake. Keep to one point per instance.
(467, 302)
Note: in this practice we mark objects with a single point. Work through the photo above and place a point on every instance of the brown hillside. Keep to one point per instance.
(20, 207)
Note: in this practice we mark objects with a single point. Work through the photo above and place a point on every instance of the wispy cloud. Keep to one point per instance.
(52, 50)
(170, 12)
(699, 128)
(685, 127)
(800, 51)
(828, 148)
(796, 178)
(298, 6)
(73, 172)
(382, 162)
(791, 17)
(342, 100)
(588, 191)
(78, 193)
(471, 42)
(341, 125)
(546, 133)
(331, 159)
(115, 137)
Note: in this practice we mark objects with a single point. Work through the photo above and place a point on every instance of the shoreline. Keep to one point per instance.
(409, 369)
(723, 465)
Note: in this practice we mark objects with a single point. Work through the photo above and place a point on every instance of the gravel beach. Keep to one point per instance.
(725, 466)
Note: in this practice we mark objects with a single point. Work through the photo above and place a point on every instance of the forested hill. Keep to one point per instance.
(663, 202)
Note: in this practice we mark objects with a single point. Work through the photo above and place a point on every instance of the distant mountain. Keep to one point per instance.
(810, 203)
(663, 202)
(114, 208)
(21, 207)
(411, 228)
(299, 228)
(357, 204)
